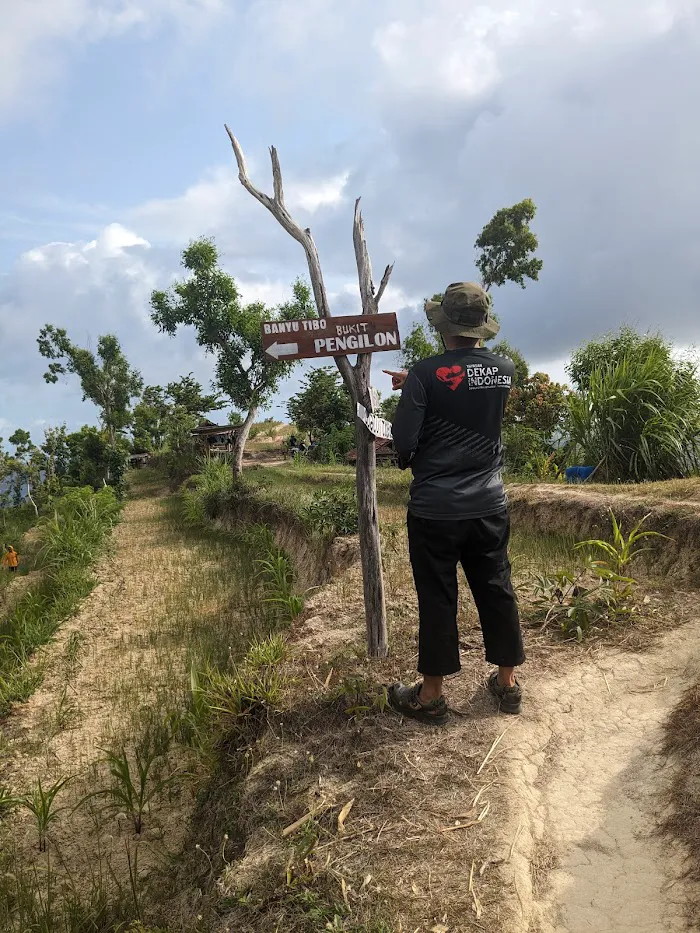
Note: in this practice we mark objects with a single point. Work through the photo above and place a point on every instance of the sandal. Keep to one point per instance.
(406, 701)
(510, 698)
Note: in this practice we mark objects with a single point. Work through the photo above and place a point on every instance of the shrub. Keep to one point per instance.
(209, 491)
(334, 446)
(75, 534)
(637, 413)
(333, 513)
(525, 450)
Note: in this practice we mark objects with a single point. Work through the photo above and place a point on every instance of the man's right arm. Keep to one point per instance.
(408, 421)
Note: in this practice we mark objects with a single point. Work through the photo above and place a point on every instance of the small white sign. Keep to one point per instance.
(380, 427)
(373, 399)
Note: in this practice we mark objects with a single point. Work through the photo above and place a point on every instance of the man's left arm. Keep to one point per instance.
(408, 421)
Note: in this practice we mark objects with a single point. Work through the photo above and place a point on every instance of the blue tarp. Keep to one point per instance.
(578, 474)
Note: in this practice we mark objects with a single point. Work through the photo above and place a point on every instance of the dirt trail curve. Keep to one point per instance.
(585, 763)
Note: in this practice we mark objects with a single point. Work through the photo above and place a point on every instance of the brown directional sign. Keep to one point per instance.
(332, 336)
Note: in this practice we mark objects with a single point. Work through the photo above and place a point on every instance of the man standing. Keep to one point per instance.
(10, 559)
(447, 428)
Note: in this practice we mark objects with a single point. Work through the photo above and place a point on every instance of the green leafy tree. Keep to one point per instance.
(506, 246)
(235, 417)
(387, 407)
(187, 394)
(93, 459)
(322, 404)
(422, 342)
(106, 378)
(57, 457)
(538, 403)
(522, 370)
(26, 467)
(210, 302)
(179, 426)
(158, 407)
(149, 420)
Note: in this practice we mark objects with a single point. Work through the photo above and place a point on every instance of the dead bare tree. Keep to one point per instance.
(356, 378)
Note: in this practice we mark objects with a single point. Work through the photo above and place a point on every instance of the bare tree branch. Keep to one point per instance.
(277, 180)
(276, 207)
(364, 264)
(383, 284)
(363, 365)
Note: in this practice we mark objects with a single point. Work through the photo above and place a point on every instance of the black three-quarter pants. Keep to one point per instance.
(480, 545)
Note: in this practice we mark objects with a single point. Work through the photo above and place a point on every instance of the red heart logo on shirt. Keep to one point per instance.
(452, 375)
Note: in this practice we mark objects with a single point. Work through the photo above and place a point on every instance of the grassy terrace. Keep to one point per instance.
(294, 486)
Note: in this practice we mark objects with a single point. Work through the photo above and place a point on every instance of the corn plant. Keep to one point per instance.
(602, 590)
(132, 790)
(612, 569)
(42, 805)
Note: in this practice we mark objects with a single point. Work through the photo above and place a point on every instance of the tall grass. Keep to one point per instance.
(638, 416)
(70, 541)
(327, 511)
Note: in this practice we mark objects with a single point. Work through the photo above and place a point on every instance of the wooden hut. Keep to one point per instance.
(215, 439)
(136, 461)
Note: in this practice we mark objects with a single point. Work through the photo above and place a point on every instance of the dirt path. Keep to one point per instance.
(576, 790)
(105, 661)
(585, 762)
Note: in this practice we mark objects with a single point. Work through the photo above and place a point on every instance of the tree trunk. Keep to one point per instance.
(356, 378)
(29, 496)
(370, 543)
(241, 440)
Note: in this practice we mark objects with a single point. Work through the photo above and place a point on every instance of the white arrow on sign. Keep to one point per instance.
(282, 349)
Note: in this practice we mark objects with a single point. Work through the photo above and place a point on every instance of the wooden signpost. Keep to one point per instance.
(333, 336)
(329, 341)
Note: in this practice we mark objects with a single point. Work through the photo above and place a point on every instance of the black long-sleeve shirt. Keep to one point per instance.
(447, 428)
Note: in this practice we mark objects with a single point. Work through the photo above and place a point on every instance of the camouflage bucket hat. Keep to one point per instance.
(463, 312)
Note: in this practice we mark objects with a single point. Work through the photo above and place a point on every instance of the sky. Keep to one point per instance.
(113, 156)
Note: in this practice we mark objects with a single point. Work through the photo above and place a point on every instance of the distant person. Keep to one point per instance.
(10, 559)
(447, 429)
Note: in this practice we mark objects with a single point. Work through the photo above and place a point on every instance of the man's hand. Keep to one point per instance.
(397, 379)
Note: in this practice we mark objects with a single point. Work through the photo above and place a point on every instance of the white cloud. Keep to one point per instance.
(310, 196)
(219, 201)
(37, 35)
(202, 209)
(453, 49)
(111, 243)
(267, 291)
